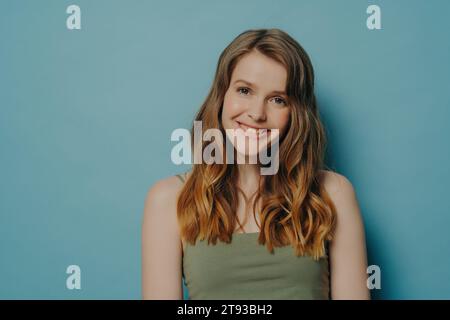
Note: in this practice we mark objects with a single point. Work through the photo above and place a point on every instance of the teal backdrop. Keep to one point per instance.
(86, 117)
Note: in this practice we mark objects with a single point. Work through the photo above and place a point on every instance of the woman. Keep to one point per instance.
(233, 233)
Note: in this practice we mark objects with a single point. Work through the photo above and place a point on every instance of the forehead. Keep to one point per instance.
(264, 72)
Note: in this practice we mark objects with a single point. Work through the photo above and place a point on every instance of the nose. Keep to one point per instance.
(256, 111)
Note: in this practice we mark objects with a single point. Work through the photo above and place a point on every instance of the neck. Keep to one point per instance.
(248, 177)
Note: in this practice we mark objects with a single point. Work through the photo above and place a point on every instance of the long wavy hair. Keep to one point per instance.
(295, 208)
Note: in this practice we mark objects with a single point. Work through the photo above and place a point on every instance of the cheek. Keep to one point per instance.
(286, 118)
(232, 106)
(227, 111)
(281, 119)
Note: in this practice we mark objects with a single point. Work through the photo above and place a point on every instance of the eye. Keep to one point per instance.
(280, 101)
(243, 90)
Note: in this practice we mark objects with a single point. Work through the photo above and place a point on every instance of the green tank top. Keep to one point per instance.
(244, 269)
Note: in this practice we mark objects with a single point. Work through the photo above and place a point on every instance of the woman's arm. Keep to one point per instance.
(161, 243)
(348, 257)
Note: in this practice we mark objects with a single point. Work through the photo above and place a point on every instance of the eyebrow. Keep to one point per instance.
(252, 85)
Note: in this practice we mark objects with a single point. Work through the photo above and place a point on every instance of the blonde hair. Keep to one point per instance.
(295, 208)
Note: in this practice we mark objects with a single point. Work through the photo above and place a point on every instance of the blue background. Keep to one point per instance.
(86, 117)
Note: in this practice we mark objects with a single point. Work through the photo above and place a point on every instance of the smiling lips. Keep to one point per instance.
(253, 132)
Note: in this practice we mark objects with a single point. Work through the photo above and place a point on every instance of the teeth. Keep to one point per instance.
(262, 132)
(252, 132)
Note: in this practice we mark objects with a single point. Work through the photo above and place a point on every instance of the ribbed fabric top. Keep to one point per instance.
(244, 269)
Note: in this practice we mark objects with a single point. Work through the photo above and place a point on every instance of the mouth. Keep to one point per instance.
(253, 132)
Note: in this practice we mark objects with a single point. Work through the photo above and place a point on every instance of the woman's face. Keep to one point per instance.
(256, 100)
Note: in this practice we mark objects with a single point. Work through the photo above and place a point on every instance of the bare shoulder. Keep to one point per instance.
(165, 189)
(161, 203)
(336, 185)
(161, 245)
(343, 195)
(348, 249)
